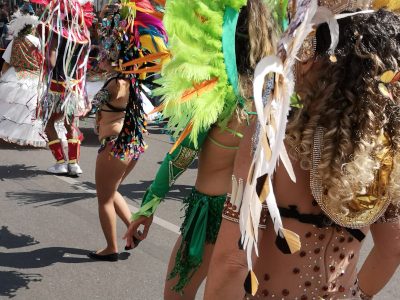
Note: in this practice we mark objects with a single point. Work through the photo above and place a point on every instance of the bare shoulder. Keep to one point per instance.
(123, 88)
(123, 84)
(112, 86)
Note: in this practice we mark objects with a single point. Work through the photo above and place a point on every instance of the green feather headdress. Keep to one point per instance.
(200, 85)
(195, 84)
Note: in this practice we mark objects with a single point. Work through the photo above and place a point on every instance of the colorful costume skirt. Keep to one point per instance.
(134, 154)
(201, 225)
(53, 103)
(18, 103)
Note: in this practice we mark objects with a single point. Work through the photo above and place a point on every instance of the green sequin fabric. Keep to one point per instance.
(184, 268)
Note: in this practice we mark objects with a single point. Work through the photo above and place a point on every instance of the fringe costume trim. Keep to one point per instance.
(201, 225)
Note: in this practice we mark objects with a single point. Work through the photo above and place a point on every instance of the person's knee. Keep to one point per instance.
(50, 126)
(68, 127)
(105, 200)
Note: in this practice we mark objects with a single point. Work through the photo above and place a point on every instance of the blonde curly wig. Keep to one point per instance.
(345, 100)
(257, 36)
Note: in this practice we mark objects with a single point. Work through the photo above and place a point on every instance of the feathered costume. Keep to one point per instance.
(200, 87)
(68, 22)
(273, 118)
(96, 78)
(19, 86)
(63, 28)
(134, 39)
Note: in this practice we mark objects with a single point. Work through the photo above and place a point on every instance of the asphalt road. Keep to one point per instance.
(49, 223)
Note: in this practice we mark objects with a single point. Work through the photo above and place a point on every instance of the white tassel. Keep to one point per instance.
(239, 195)
(234, 189)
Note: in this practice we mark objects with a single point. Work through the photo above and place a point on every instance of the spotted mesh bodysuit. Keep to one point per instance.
(325, 266)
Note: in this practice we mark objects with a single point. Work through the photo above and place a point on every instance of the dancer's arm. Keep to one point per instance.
(383, 260)
(228, 266)
(7, 58)
(5, 67)
(53, 50)
(171, 168)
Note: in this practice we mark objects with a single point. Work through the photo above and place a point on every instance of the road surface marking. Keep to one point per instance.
(133, 209)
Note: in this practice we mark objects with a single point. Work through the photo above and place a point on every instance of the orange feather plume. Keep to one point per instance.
(136, 23)
(145, 70)
(187, 95)
(158, 108)
(147, 58)
(200, 88)
(183, 135)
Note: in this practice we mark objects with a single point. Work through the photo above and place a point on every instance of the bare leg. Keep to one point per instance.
(120, 205)
(122, 209)
(197, 279)
(109, 173)
(129, 168)
(70, 129)
(50, 129)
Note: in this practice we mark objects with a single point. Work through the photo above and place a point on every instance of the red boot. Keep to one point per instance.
(74, 149)
(60, 167)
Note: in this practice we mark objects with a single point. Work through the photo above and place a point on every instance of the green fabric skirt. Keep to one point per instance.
(203, 215)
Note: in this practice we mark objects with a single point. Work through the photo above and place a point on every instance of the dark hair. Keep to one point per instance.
(26, 30)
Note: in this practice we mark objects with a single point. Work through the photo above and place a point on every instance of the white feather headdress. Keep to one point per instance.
(273, 119)
(20, 21)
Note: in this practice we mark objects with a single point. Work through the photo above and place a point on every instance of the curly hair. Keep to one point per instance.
(346, 102)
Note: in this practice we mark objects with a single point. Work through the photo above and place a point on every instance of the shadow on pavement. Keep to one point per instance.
(10, 240)
(43, 257)
(42, 198)
(19, 172)
(12, 281)
(124, 255)
(154, 128)
(135, 191)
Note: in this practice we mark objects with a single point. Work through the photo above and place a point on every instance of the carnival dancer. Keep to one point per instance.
(19, 84)
(208, 94)
(96, 77)
(343, 149)
(132, 38)
(64, 49)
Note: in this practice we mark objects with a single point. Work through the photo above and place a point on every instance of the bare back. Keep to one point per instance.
(111, 123)
(216, 162)
(326, 262)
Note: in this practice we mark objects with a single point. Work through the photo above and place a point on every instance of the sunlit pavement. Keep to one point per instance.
(49, 223)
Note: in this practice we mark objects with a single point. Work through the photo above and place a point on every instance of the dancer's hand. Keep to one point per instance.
(133, 228)
(118, 6)
(86, 112)
(103, 11)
